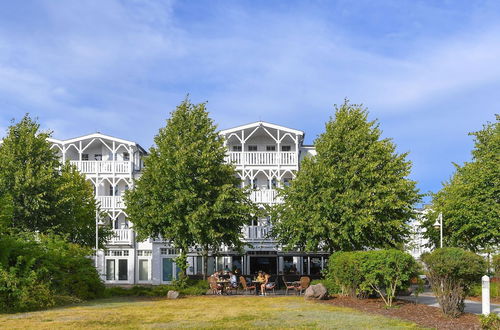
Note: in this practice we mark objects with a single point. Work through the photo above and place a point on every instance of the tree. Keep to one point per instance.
(187, 194)
(42, 195)
(470, 200)
(354, 194)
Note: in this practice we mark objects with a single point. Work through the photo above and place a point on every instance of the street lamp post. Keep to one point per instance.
(439, 223)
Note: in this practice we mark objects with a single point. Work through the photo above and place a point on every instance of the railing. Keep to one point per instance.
(111, 202)
(257, 232)
(122, 236)
(262, 158)
(102, 166)
(268, 196)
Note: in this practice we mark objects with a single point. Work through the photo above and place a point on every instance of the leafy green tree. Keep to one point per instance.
(187, 194)
(354, 194)
(470, 201)
(41, 194)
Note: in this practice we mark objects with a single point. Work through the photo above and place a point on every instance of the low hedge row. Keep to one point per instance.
(192, 288)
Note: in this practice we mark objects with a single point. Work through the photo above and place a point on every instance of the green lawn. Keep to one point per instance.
(237, 312)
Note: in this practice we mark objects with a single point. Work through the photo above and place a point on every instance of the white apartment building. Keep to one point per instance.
(266, 156)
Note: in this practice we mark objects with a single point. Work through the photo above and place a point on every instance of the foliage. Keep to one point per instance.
(490, 321)
(386, 272)
(451, 273)
(469, 201)
(187, 194)
(43, 196)
(476, 289)
(190, 288)
(496, 265)
(329, 284)
(38, 271)
(344, 269)
(355, 194)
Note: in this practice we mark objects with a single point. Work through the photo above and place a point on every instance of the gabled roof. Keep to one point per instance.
(97, 136)
(261, 123)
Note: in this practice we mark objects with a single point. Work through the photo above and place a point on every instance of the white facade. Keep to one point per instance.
(266, 156)
(417, 242)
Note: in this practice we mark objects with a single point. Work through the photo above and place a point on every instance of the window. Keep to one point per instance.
(143, 269)
(167, 251)
(270, 148)
(252, 148)
(110, 269)
(85, 157)
(126, 156)
(236, 148)
(144, 253)
(125, 253)
(273, 183)
(286, 182)
(286, 148)
(97, 156)
(254, 183)
(122, 269)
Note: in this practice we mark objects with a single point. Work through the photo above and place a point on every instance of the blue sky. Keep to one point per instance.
(428, 70)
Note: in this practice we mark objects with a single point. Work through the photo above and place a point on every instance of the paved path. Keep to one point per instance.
(470, 306)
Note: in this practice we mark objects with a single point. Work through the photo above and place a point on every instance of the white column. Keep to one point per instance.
(485, 294)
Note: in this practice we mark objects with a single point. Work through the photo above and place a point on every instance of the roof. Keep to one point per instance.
(261, 123)
(96, 136)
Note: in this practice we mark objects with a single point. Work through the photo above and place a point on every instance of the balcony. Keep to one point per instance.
(266, 196)
(111, 202)
(121, 237)
(262, 158)
(256, 232)
(102, 167)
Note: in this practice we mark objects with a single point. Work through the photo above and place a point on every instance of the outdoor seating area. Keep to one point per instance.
(228, 283)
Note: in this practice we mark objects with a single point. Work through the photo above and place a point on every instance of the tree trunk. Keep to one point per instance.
(205, 262)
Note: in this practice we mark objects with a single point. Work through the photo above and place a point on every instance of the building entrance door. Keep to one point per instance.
(265, 264)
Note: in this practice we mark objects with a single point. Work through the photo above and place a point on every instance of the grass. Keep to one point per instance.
(212, 312)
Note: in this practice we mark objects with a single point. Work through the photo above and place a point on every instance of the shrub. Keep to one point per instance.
(452, 272)
(344, 270)
(476, 290)
(192, 288)
(361, 273)
(330, 285)
(496, 265)
(386, 272)
(38, 271)
(490, 321)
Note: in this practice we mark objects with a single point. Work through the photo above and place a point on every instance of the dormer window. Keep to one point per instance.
(237, 148)
(85, 157)
(286, 148)
(126, 156)
(270, 148)
(252, 148)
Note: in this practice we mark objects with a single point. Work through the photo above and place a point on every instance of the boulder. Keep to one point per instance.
(172, 294)
(316, 291)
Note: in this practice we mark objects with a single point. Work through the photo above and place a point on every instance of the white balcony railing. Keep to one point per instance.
(256, 232)
(122, 236)
(111, 202)
(262, 158)
(268, 196)
(98, 166)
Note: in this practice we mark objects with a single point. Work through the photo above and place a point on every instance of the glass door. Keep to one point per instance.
(167, 269)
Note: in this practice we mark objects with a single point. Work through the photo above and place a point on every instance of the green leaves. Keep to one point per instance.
(470, 201)
(187, 193)
(354, 194)
(37, 193)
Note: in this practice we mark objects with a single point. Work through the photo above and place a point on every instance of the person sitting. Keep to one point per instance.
(266, 285)
(233, 280)
(261, 279)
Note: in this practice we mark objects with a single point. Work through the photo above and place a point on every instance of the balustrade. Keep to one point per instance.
(121, 236)
(262, 158)
(105, 167)
(111, 202)
(256, 232)
(268, 196)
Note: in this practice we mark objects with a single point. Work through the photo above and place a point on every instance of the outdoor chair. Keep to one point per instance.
(230, 288)
(270, 288)
(244, 285)
(304, 284)
(288, 285)
(213, 285)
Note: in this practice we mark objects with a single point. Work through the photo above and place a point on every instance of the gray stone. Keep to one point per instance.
(316, 291)
(172, 294)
